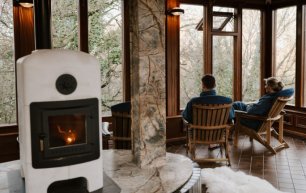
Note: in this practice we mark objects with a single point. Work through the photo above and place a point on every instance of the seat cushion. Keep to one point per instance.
(285, 93)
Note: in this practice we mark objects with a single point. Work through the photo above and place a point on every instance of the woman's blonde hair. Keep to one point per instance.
(274, 83)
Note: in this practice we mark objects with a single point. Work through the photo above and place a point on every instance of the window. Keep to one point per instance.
(105, 42)
(7, 65)
(223, 19)
(224, 40)
(223, 48)
(223, 61)
(191, 53)
(64, 24)
(285, 46)
(250, 55)
(303, 81)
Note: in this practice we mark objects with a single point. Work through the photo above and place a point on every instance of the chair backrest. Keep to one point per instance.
(275, 111)
(121, 125)
(209, 122)
(281, 99)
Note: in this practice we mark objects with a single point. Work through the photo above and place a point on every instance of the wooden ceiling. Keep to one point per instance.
(259, 3)
(248, 3)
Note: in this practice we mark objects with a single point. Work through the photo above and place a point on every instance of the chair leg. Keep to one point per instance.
(282, 141)
(226, 147)
(236, 130)
(221, 148)
(192, 151)
(270, 148)
(281, 129)
(231, 133)
(189, 147)
(266, 144)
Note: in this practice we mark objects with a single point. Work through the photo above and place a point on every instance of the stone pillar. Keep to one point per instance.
(148, 89)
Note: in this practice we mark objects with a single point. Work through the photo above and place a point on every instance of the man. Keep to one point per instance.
(208, 89)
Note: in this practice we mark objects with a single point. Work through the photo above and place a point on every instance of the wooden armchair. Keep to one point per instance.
(121, 124)
(209, 126)
(265, 131)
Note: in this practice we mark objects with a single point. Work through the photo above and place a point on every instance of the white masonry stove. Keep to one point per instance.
(59, 121)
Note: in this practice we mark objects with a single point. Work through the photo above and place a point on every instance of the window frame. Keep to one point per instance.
(300, 63)
(172, 46)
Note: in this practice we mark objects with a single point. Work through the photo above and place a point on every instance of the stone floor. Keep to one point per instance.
(286, 170)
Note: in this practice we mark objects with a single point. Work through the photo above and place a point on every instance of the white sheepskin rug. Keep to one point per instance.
(224, 179)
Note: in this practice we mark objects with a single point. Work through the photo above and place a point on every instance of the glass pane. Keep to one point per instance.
(7, 65)
(251, 55)
(285, 46)
(67, 130)
(64, 24)
(218, 21)
(223, 62)
(191, 53)
(105, 42)
(223, 9)
(223, 19)
(304, 81)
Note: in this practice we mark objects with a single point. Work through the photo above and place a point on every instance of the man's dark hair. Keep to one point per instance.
(209, 81)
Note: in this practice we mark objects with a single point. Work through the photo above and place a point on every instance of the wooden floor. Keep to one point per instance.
(286, 170)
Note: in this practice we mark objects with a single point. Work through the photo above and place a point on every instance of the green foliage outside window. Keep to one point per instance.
(7, 67)
(105, 34)
(105, 37)
(223, 64)
(64, 24)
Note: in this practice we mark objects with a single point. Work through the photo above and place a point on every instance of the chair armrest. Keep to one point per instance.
(243, 114)
(186, 124)
(237, 112)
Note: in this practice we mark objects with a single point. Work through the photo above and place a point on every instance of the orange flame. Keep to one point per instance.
(68, 136)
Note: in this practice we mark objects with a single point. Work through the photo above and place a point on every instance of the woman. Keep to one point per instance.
(274, 88)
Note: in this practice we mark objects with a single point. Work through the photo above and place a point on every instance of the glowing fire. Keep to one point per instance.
(68, 136)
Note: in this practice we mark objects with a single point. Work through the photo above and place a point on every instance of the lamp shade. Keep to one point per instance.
(176, 11)
(26, 3)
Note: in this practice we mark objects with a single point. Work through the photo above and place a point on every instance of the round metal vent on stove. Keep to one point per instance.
(66, 84)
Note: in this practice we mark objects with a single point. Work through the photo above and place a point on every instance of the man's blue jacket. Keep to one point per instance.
(206, 97)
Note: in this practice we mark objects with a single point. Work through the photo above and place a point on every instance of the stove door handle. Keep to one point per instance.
(41, 144)
(41, 141)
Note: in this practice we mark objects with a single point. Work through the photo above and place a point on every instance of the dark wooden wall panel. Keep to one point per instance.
(301, 121)
(295, 122)
(289, 119)
(174, 130)
(8, 143)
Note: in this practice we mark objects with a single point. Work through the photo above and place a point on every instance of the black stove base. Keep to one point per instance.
(79, 185)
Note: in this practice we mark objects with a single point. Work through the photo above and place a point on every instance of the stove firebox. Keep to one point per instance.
(64, 132)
